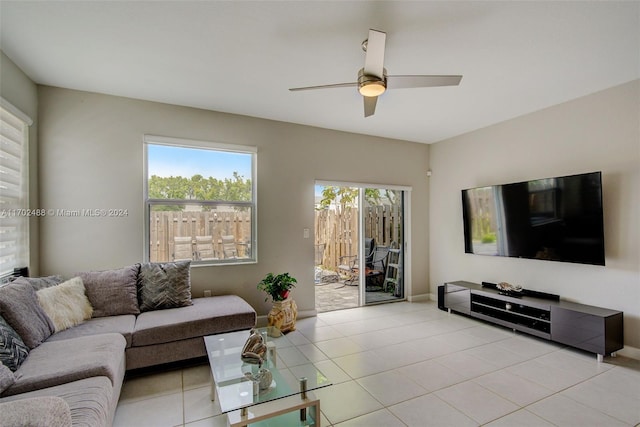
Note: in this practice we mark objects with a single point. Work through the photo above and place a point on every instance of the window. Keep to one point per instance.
(14, 189)
(200, 201)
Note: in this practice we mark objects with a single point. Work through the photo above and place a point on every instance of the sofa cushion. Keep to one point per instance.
(13, 350)
(91, 401)
(44, 411)
(112, 292)
(66, 304)
(207, 316)
(19, 306)
(39, 282)
(122, 324)
(58, 362)
(164, 285)
(6, 378)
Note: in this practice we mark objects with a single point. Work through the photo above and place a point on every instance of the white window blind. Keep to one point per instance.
(14, 193)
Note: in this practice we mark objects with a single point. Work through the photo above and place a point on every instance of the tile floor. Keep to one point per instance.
(410, 364)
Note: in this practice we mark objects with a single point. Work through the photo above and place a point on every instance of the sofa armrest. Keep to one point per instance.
(45, 411)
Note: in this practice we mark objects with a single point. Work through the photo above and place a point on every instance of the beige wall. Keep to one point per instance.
(600, 132)
(92, 157)
(17, 88)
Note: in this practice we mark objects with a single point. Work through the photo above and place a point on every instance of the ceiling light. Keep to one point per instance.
(371, 85)
(372, 88)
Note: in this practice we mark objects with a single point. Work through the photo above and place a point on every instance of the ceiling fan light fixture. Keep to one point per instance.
(371, 85)
(372, 88)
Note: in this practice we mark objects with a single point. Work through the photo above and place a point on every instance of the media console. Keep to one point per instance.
(594, 329)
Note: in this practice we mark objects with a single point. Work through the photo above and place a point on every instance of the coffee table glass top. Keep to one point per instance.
(235, 390)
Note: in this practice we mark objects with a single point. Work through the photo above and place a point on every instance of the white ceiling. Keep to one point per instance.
(241, 57)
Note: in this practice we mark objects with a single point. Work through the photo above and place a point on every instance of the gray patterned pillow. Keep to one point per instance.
(6, 378)
(39, 282)
(112, 292)
(164, 285)
(13, 351)
(19, 307)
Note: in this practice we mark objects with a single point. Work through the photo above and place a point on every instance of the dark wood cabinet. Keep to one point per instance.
(595, 329)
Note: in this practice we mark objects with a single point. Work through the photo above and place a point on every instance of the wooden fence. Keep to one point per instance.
(335, 230)
(164, 226)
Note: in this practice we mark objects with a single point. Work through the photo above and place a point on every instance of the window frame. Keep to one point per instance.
(213, 146)
(20, 213)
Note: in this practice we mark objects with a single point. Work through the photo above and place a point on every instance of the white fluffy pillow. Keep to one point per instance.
(66, 304)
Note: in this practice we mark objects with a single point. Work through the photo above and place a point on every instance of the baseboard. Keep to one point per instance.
(421, 297)
(630, 352)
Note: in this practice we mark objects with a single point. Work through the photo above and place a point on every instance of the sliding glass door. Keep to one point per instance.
(360, 245)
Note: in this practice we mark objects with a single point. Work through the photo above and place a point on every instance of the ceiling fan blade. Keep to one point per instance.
(374, 58)
(354, 84)
(399, 82)
(369, 105)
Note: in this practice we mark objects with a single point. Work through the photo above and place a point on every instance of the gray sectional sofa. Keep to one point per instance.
(141, 316)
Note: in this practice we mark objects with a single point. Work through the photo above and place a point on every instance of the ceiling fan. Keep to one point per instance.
(373, 80)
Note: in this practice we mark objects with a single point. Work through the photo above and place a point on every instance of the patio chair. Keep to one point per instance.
(182, 249)
(379, 258)
(204, 248)
(229, 248)
(348, 264)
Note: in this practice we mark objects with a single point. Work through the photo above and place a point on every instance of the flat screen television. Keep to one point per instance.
(556, 219)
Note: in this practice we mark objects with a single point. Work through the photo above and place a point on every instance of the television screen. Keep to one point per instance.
(557, 219)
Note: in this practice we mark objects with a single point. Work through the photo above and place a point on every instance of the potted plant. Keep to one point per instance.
(277, 286)
(283, 314)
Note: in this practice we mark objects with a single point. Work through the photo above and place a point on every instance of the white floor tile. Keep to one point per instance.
(311, 352)
(547, 376)
(431, 375)
(521, 418)
(160, 411)
(476, 401)
(414, 365)
(513, 387)
(148, 386)
(617, 405)
(196, 377)
(339, 347)
(362, 364)
(465, 365)
(337, 408)
(563, 411)
(381, 418)
(430, 410)
(322, 333)
(391, 387)
(198, 404)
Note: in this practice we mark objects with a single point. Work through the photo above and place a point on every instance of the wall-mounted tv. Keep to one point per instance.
(557, 219)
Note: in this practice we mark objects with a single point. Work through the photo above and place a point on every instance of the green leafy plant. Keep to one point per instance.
(277, 286)
(489, 238)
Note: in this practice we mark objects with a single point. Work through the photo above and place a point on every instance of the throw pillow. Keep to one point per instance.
(112, 292)
(13, 351)
(165, 285)
(6, 378)
(65, 304)
(19, 307)
(39, 282)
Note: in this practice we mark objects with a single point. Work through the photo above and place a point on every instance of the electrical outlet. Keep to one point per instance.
(207, 293)
(305, 233)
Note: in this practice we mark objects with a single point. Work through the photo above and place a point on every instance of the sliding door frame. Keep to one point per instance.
(406, 230)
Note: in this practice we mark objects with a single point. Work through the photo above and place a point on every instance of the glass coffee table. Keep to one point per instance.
(241, 398)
